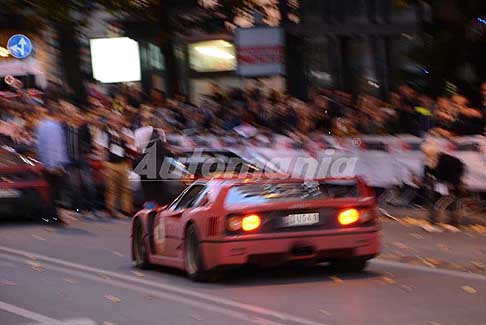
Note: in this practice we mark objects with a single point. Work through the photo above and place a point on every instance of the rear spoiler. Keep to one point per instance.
(363, 188)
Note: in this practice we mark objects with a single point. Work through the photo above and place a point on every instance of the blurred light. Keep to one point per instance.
(214, 52)
(115, 59)
(374, 84)
(426, 71)
(481, 20)
(348, 217)
(210, 56)
(4, 53)
(407, 36)
(250, 222)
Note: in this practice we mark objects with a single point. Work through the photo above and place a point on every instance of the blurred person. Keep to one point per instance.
(324, 114)
(135, 95)
(470, 121)
(216, 93)
(117, 169)
(445, 117)
(143, 135)
(79, 145)
(155, 187)
(407, 114)
(119, 103)
(50, 141)
(424, 114)
(443, 175)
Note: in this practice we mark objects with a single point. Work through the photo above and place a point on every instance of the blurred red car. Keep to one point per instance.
(221, 223)
(24, 191)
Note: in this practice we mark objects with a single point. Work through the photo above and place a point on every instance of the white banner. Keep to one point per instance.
(381, 161)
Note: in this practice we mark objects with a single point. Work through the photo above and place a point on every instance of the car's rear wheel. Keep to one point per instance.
(354, 265)
(193, 259)
(140, 246)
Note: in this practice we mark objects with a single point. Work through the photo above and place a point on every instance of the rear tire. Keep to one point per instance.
(193, 259)
(354, 265)
(140, 249)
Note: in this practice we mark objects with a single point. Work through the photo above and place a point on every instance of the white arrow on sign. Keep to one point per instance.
(20, 46)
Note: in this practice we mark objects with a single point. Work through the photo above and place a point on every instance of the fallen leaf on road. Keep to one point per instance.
(406, 287)
(469, 289)
(444, 247)
(149, 297)
(113, 298)
(426, 262)
(39, 237)
(35, 266)
(415, 221)
(432, 261)
(416, 236)
(325, 312)
(431, 228)
(7, 283)
(336, 279)
(139, 274)
(108, 323)
(388, 280)
(32, 263)
(478, 228)
(479, 265)
(196, 317)
(104, 276)
(71, 281)
(450, 228)
(400, 245)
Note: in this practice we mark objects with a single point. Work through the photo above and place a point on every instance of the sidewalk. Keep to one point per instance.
(422, 214)
(406, 241)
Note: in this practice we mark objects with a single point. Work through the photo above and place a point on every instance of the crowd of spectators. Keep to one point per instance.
(116, 125)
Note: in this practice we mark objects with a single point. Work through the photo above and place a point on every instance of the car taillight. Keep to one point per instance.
(348, 217)
(251, 222)
(233, 224)
(246, 223)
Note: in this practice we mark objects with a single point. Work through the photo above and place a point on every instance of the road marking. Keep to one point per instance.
(154, 293)
(41, 319)
(458, 274)
(197, 299)
(27, 314)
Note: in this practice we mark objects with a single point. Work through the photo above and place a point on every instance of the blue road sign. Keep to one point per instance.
(19, 46)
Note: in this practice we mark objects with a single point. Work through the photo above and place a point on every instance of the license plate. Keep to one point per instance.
(8, 194)
(302, 219)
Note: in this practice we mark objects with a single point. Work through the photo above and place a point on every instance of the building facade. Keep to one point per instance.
(359, 45)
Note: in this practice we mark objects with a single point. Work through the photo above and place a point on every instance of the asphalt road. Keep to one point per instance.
(82, 274)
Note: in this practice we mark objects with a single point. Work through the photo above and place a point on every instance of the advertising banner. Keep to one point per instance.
(260, 51)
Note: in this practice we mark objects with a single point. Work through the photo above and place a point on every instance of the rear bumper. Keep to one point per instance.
(33, 199)
(274, 251)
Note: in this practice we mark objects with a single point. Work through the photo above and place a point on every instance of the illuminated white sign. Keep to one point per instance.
(210, 56)
(115, 59)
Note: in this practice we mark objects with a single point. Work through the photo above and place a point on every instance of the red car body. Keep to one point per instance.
(24, 190)
(164, 231)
